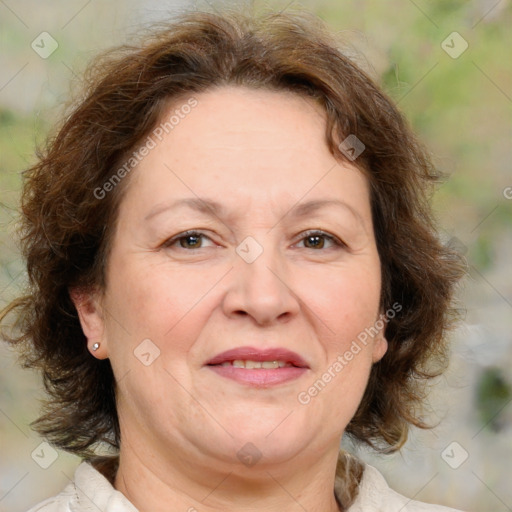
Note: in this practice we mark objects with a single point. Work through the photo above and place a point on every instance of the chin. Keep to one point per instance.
(273, 443)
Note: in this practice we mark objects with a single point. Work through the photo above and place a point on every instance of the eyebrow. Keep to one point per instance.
(215, 209)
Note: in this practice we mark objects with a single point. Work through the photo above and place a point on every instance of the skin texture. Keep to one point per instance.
(260, 154)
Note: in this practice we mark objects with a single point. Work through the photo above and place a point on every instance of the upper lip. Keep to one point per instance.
(258, 354)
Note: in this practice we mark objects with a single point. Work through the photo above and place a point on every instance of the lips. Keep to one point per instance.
(259, 355)
(258, 368)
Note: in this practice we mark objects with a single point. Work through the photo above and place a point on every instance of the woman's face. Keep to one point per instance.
(260, 282)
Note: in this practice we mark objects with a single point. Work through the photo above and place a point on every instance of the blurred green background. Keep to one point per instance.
(458, 99)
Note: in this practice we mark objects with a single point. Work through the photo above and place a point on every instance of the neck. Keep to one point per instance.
(152, 484)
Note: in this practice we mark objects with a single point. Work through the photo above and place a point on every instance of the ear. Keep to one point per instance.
(380, 343)
(380, 347)
(90, 314)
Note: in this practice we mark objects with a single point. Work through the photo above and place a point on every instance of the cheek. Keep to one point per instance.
(156, 303)
(347, 305)
(153, 300)
(346, 302)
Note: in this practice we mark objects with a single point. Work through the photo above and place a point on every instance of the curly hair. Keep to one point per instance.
(67, 225)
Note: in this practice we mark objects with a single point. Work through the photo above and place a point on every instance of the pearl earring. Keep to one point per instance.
(95, 347)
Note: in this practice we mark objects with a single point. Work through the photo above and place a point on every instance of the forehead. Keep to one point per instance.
(240, 119)
(245, 146)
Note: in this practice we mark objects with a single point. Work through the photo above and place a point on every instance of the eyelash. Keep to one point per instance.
(334, 240)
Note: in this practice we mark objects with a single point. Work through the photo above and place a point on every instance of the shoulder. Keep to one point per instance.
(89, 491)
(375, 495)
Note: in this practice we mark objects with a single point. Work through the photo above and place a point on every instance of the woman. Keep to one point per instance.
(232, 264)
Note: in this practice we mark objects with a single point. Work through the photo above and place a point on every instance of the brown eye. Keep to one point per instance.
(187, 240)
(317, 240)
(190, 241)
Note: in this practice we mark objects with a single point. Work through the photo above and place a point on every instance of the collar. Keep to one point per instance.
(92, 492)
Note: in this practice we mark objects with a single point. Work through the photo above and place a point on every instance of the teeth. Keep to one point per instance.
(252, 365)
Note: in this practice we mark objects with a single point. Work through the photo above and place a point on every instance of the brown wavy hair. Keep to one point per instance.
(66, 229)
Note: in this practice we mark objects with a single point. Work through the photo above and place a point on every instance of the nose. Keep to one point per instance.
(261, 289)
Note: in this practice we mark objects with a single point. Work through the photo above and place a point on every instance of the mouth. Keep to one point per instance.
(253, 358)
(257, 367)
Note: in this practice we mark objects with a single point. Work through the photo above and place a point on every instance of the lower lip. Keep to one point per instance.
(259, 377)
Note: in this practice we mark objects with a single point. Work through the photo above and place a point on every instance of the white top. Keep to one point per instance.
(92, 492)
